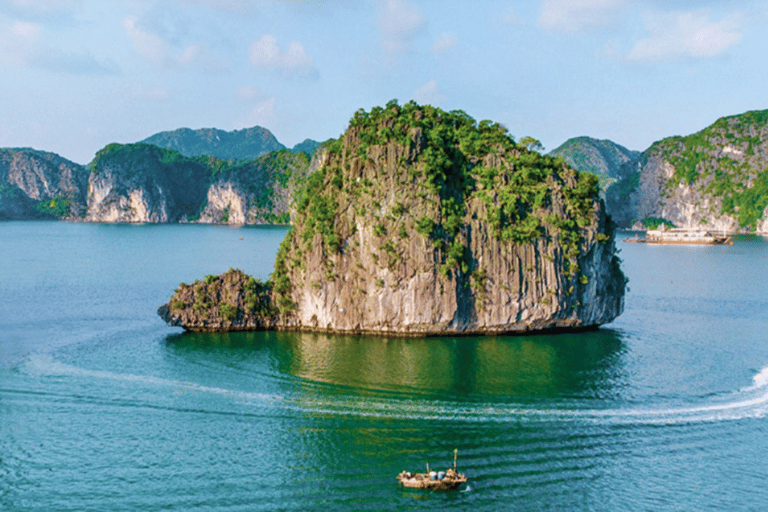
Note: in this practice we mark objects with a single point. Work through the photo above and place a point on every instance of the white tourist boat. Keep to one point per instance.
(692, 236)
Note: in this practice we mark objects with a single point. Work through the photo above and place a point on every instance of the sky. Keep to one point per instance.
(76, 75)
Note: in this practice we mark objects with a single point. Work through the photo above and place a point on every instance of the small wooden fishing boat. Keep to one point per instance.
(434, 480)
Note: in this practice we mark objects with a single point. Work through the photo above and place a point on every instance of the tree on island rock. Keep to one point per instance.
(425, 222)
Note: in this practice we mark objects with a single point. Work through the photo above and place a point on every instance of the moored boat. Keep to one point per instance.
(434, 480)
(682, 236)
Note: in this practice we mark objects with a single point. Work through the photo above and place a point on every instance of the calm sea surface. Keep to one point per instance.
(105, 408)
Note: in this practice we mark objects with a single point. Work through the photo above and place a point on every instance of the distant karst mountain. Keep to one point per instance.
(603, 158)
(248, 143)
(716, 178)
(307, 146)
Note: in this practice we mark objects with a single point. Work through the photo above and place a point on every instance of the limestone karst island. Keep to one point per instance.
(425, 222)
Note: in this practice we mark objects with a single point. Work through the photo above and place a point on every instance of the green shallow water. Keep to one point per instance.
(103, 407)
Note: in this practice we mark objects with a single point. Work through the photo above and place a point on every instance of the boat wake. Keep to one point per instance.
(748, 402)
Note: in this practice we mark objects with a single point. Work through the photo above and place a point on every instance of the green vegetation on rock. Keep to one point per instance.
(656, 223)
(59, 207)
(230, 301)
(419, 221)
(450, 170)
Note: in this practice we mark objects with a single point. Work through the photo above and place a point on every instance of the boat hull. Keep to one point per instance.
(423, 481)
(681, 236)
(707, 241)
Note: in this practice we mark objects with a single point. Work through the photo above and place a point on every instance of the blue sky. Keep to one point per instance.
(80, 74)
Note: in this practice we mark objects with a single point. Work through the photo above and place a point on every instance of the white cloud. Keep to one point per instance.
(18, 41)
(25, 30)
(429, 93)
(157, 50)
(248, 93)
(683, 35)
(262, 114)
(191, 54)
(23, 44)
(259, 107)
(240, 7)
(510, 17)
(399, 25)
(150, 46)
(443, 44)
(39, 9)
(151, 93)
(266, 53)
(580, 15)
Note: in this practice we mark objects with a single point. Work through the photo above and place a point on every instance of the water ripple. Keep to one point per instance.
(749, 402)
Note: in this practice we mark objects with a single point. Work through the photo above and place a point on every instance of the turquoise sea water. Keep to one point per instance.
(104, 407)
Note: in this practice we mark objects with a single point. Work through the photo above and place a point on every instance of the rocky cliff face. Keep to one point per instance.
(424, 222)
(145, 183)
(603, 158)
(232, 301)
(38, 184)
(257, 192)
(716, 178)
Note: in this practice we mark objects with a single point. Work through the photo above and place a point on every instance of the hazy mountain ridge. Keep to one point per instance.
(247, 143)
(244, 144)
(604, 158)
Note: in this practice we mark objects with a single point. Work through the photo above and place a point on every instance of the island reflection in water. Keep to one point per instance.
(580, 365)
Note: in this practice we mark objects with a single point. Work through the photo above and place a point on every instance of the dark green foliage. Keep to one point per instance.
(8, 191)
(319, 209)
(281, 282)
(58, 207)
(684, 153)
(425, 226)
(228, 312)
(618, 196)
(656, 222)
(751, 202)
(531, 144)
